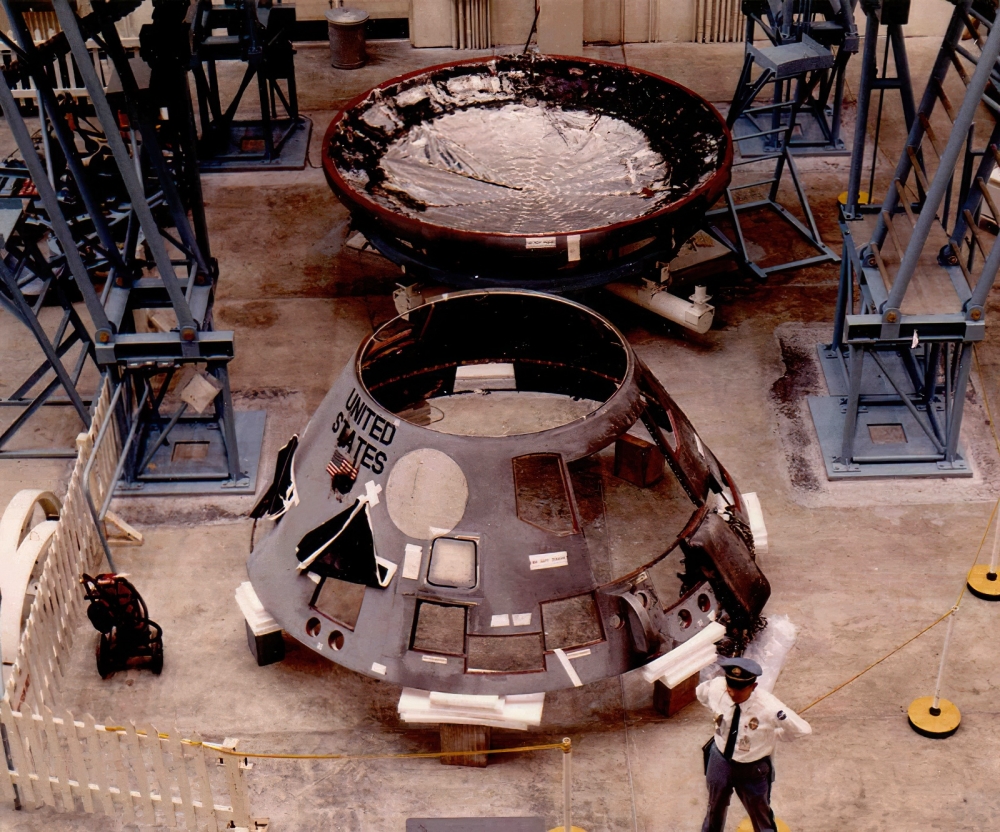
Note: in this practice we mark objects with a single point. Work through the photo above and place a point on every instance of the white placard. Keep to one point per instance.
(413, 556)
(378, 668)
(521, 619)
(500, 620)
(549, 560)
(540, 242)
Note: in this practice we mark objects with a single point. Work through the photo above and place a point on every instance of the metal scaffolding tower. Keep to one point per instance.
(911, 303)
(126, 220)
(893, 14)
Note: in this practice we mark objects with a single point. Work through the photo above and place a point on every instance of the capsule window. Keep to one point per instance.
(453, 563)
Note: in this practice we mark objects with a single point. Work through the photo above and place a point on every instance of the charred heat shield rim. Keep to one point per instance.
(556, 346)
(680, 125)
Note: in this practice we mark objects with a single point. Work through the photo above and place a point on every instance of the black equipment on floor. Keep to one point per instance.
(129, 638)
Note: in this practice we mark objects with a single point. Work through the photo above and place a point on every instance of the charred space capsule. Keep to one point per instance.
(485, 483)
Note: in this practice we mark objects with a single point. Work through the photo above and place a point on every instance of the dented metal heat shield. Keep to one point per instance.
(451, 519)
(541, 172)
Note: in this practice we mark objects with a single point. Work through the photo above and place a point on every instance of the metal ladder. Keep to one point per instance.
(898, 377)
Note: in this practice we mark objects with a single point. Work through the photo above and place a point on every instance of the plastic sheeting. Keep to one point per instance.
(769, 649)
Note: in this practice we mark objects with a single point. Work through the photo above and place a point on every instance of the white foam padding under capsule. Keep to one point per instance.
(757, 527)
(259, 619)
(687, 659)
(517, 711)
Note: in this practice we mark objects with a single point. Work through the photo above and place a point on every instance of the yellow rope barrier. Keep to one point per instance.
(565, 746)
(961, 594)
(417, 755)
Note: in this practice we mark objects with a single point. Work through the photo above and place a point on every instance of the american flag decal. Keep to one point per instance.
(341, 466)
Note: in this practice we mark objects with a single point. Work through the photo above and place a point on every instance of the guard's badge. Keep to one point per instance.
(744, 743)
(753, 724)
(781, 715)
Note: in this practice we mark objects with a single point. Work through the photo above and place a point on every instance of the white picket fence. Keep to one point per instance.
(144, 775)
(66, 76)
(75, 548)
(148, 777)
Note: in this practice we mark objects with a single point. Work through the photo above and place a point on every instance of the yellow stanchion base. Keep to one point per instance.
(863, 198)
(563, 829)
(746, 826)
(936, 726)
(982, 586)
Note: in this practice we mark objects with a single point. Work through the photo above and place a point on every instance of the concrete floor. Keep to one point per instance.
(859, 568)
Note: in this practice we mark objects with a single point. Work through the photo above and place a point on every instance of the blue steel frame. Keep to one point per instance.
(891, 369)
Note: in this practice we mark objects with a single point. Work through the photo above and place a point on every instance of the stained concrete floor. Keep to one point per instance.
(859, 568)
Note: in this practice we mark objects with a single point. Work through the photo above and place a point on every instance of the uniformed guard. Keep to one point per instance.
(747, 724)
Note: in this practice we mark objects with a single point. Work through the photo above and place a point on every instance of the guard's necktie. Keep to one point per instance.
(734, 729)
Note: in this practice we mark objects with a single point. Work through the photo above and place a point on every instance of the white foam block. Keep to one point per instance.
(493, 376)
(677, 657)
(465, 700)
(260, 621)
(694, 664)
(757, 527)
(435, 707)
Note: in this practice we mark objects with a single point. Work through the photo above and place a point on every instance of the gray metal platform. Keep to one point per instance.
(244, 135)
(884, 432)
(808, 139)
(174, 480)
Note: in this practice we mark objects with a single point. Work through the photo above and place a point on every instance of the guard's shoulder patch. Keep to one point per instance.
(781, 715)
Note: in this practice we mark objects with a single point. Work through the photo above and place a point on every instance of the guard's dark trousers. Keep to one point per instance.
(752, 783)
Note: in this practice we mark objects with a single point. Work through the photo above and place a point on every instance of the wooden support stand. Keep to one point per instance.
(465, 738)
(267, 648)
(669, 701)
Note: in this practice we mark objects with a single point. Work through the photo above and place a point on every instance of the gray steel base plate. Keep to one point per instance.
(885, 434)
(243, 134)
(809, 139)
(249, 438)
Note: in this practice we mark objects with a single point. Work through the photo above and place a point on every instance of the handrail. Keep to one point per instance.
(126, 446)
